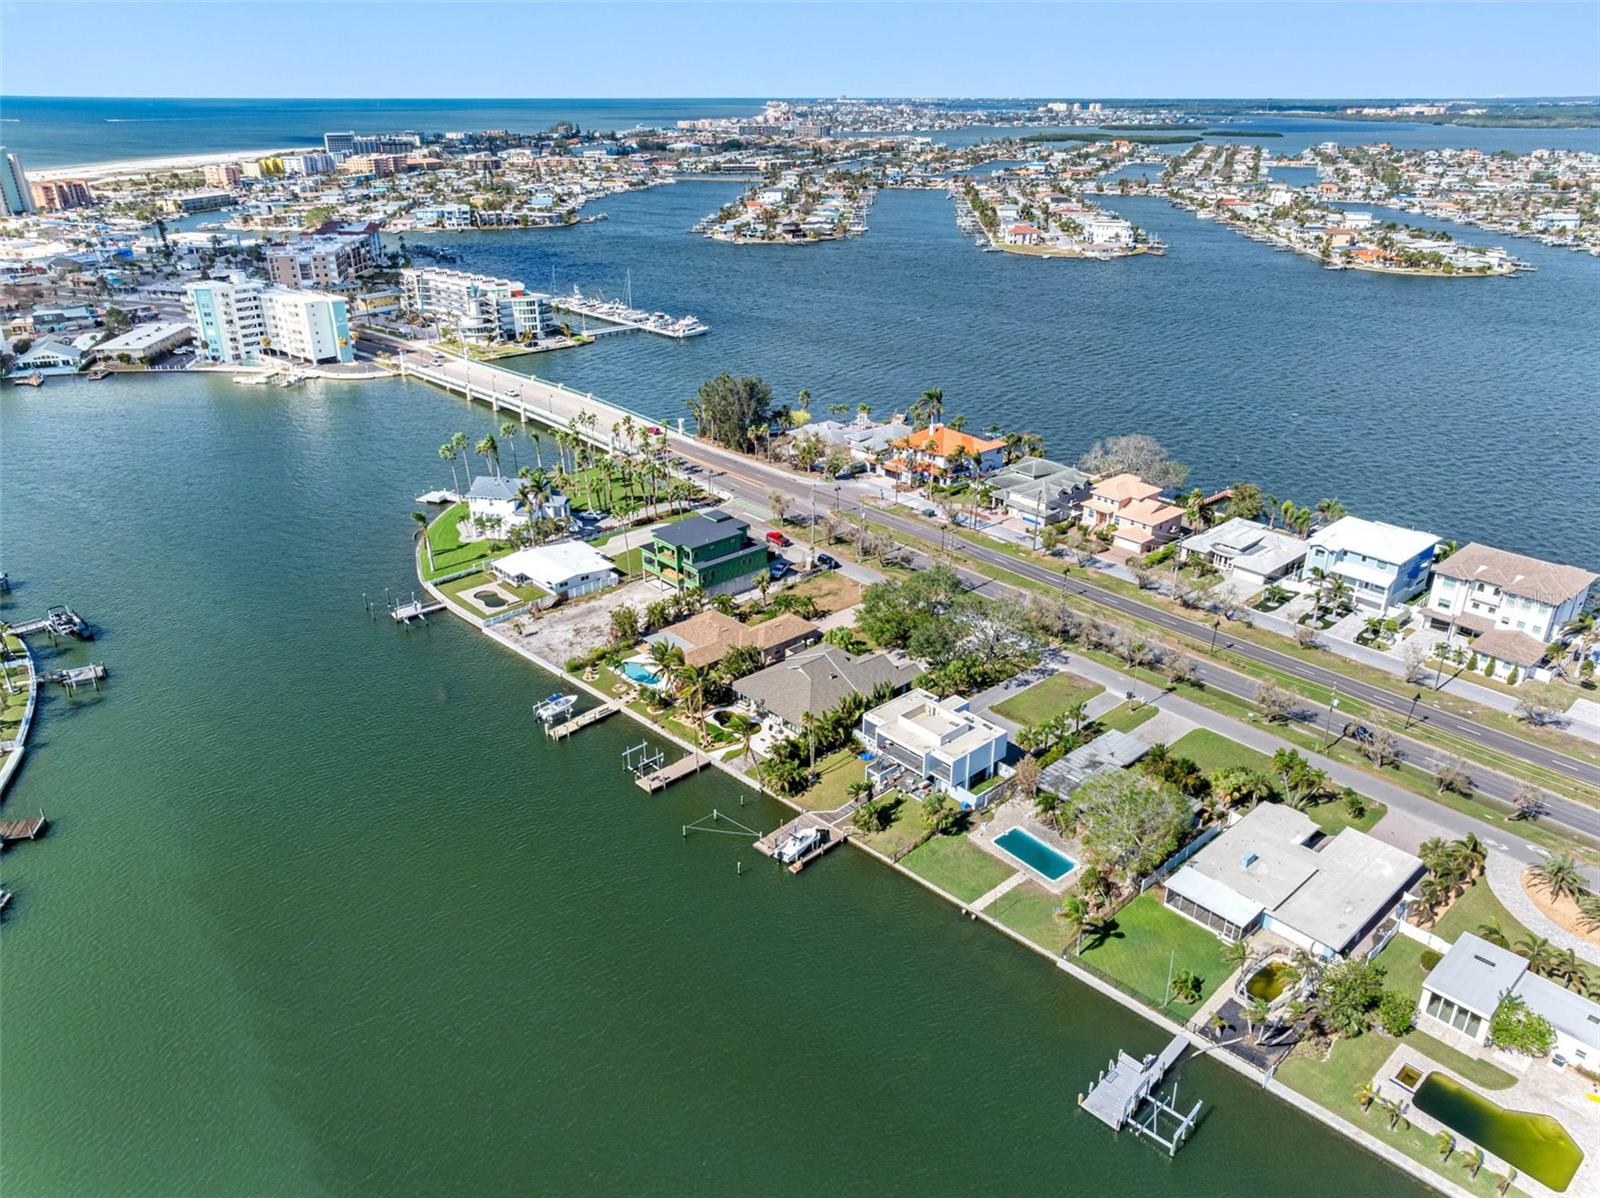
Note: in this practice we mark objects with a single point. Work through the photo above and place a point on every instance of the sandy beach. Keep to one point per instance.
(144, 166)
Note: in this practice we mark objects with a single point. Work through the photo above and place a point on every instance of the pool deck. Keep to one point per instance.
(1540, 1088)
(1015, 813)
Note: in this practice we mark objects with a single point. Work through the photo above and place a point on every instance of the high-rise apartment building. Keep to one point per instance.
(245, 320)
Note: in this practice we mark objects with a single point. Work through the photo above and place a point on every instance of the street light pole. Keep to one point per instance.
(1413, 710)
(1333, 702)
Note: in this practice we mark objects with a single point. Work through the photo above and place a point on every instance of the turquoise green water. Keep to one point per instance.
(1535, 1144)
(320, 912)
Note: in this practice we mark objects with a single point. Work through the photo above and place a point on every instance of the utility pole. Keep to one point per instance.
(1333, 702)
(1413, 710)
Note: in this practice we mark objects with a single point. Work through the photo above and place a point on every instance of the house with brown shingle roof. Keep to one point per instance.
(706, 638)
(1514, 605)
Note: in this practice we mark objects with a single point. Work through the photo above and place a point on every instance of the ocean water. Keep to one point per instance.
(71, 131)
(1461, 406)
(320, 912)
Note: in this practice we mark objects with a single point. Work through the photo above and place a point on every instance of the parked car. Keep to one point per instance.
(777, 538)
(929, 512)
(779, 566)
(827, 561)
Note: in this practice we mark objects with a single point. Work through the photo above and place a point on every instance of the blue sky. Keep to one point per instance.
(441, 49)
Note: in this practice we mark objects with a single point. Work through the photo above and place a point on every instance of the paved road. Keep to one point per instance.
(752, 481)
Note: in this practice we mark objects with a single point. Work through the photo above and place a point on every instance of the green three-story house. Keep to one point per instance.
(711, 550)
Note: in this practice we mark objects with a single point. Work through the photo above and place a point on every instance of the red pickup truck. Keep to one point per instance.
(777, 538)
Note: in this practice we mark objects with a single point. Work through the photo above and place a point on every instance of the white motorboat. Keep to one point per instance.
(555, 705)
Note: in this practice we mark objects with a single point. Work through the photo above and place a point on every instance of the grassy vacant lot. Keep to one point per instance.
(837, 771)
(1213, 751)
(1031, 910)
(449, 553)
(1145, 940)
(1126, 717)
(1353, 1062)
(905, 828)
(455, 587)
(831, 590)
(956, 865)
(1047, 699)
(1476, 907)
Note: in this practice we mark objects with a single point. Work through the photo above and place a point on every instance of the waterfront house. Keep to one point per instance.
(1039, 491)
(941, 452)
(1384, 565)
(1514, 605)
(1023, 233)
(933, 740)
(1250, 554)
(710, 550)
(1272, 870)
(493, 497)
(1139, 520)
(50, 356)
(567, 568)
(817, 680)
(705, 638)
(1462, 991)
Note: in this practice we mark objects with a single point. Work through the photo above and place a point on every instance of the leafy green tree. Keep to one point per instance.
(1516, 1028)
(1397, 1012)
(1131, 822)
(733, 412)
(1348, 993)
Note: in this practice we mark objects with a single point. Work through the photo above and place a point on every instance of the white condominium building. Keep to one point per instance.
(245, 320)
(14, 185)
(478, 307)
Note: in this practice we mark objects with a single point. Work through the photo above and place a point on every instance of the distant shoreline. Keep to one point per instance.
(142, 166)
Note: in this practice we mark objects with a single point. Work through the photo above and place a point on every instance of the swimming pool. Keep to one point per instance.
(1035, 853)
(1535, 1144)
(640, 672)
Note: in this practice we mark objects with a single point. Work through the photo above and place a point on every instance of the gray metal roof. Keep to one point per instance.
(1476, 974)
(1109, 751)
(488, 487)
(700, 530)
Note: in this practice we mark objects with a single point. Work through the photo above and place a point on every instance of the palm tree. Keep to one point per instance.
(1235, 954)
(1365, 1095)
(1540, 952)
(538, 448)
(929, 408)
(1257, 1011)
(1560, 876)
(461, 445)
(1491, 931)
(508, 430)
(447, 452)
(1330, 510)
(422, 531)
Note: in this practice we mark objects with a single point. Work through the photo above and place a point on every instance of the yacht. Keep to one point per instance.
(555, 705)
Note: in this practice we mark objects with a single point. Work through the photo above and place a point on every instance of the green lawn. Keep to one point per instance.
(903, 832)
(456, 586)
(630, 562)
(1047, 699)
(449, 553)
(956, 865)
(1476, 907)
(1126, 717)
(1030, 909)
(837, 771)
(1212, 751)
(1352, 1062)
(1333, 818)
(1145, 940)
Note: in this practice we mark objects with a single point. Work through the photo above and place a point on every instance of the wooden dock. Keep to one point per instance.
(404, 613)
(21, 829)
(579, 722)
(1128, 1083)
(77, 676)
(664, 777)
(832, 834)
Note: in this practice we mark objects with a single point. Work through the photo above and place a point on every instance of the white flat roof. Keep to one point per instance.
(556, 563)
(143, 335)
(1386, 542)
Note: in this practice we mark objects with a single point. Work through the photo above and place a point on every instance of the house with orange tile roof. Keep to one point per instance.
(1133, 509)
(941, 452)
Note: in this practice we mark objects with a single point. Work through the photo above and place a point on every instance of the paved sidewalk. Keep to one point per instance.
(1505, 879)
(981, 903)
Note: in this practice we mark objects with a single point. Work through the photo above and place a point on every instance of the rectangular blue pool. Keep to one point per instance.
(1035, 853)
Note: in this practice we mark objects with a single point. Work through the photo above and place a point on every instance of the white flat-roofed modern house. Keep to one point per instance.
(1339, 897)
(245, 320)
(479, 307)
(568, 568)
(1514, 605)
(1383, 564)
(938, 740)
(1251, 554)
(1464, 988)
